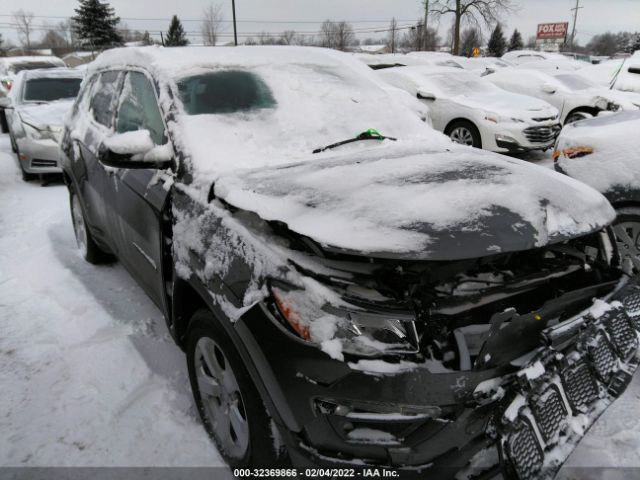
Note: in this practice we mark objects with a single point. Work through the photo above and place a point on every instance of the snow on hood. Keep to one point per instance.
(615, 142)
(507, 103)
(45, 114)
(439, 204)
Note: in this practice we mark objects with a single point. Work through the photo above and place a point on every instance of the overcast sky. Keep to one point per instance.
(596, 16)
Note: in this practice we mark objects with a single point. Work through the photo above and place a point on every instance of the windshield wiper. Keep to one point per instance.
(371, 134)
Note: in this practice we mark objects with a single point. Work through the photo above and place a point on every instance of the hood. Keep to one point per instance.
(45, 115)
(627, 100)
(508, 104)
(412, 203)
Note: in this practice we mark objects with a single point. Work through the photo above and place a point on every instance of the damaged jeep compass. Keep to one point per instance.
(350, 288)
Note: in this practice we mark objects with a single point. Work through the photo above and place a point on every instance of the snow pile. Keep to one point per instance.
(615, 142)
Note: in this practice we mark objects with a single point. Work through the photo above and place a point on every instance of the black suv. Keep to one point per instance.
(349, 295)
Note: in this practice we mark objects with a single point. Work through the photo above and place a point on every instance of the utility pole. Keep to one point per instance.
(575, 19)
(162, 38)
(235, 31)
(426, 19)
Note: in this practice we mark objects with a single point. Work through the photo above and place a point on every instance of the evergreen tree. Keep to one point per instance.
(95, 24)
(497, 42)
(516, 42)
(176, 36)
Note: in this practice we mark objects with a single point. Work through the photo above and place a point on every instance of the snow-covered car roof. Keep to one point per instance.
(554, 65)
(521, 56)
(9, 64)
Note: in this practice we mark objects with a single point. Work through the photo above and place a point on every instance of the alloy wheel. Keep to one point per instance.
(221, 398)
(462, 135)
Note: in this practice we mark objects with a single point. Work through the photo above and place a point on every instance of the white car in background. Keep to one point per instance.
(517, 57)
(37, 104)
(10, 67)
(387, 60)
(555, 65)
(619, 74)
(475, 112)
(574, 96)
(482, 65)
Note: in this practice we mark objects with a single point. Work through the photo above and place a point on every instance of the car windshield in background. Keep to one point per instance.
(18, 67)
(50, 89)
(457, 84)
(221, 92)
(575, 82)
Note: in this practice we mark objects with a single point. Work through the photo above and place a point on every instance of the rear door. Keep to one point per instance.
(137, 197)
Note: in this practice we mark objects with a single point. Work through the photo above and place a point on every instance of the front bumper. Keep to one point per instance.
(39, 156)
(521, 137)
(527, 424)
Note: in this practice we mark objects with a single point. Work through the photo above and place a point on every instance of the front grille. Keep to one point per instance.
(524, 451)
(549, 411)
(37, 162)
(579, 385)
(542, 134)
(603, 357)
(622, 333)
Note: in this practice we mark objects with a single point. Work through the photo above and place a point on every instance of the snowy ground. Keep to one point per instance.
(89, 375)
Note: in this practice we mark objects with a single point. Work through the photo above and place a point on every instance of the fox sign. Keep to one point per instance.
(552, 30)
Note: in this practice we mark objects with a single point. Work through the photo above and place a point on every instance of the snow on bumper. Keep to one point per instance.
(587, 362)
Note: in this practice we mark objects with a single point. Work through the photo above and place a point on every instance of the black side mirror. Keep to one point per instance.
(125, 160)
(133, 150)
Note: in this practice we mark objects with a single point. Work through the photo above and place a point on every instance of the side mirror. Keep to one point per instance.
(134, 150)
(425, 95)
(548, 88)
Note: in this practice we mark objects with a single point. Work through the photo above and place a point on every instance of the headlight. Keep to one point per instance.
(495, 118)
(613, 107)
(338, 329)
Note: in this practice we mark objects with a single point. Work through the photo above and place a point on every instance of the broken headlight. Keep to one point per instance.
(338, 328)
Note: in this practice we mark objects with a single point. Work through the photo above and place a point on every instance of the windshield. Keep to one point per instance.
(228, 91)
(458, 84)
(50, 89)
(575, 82)
(18, 67)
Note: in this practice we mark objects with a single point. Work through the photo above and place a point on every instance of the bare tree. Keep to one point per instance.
(473, 12)
(212, 23)
(392, 41)
(338, 35)
(413, 39)
(289, 37)
(327, 34)
(24, 22)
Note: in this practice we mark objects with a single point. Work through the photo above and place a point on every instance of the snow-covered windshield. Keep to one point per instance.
(227, 91)
(51, 89)
(575, 82)
(460, 84)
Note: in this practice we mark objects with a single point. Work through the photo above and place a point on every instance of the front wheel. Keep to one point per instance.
(465, 133)
(627, 232)
(577, 116)
(88, 247)
(228, 402)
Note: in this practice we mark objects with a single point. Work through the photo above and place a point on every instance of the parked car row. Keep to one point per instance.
(342, 277)
(352, 288)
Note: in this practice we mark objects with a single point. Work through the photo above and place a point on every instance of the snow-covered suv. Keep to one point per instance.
(350, 287)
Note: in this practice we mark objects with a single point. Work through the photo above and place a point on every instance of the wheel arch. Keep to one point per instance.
(447, 129)
(583, 108)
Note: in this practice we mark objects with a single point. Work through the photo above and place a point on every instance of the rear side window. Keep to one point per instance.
(50, 89)
(139, 108)
(104, 94)
(226, 91)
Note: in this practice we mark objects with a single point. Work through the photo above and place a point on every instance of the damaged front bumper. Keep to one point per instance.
(521, 419)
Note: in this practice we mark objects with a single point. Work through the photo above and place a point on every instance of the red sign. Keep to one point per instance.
(552, 30)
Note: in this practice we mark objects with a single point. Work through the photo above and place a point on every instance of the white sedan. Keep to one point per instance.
(576, 97)
(475, 112)
(37, 104)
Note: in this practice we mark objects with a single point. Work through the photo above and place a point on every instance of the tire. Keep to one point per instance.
(465, 133)
(577, 116)
(4, 126)
(627, 232)
(214, 363)
(14, 145)
(88, 247)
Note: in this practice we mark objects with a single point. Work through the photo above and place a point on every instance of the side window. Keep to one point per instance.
(139, 108)
(102, 103)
